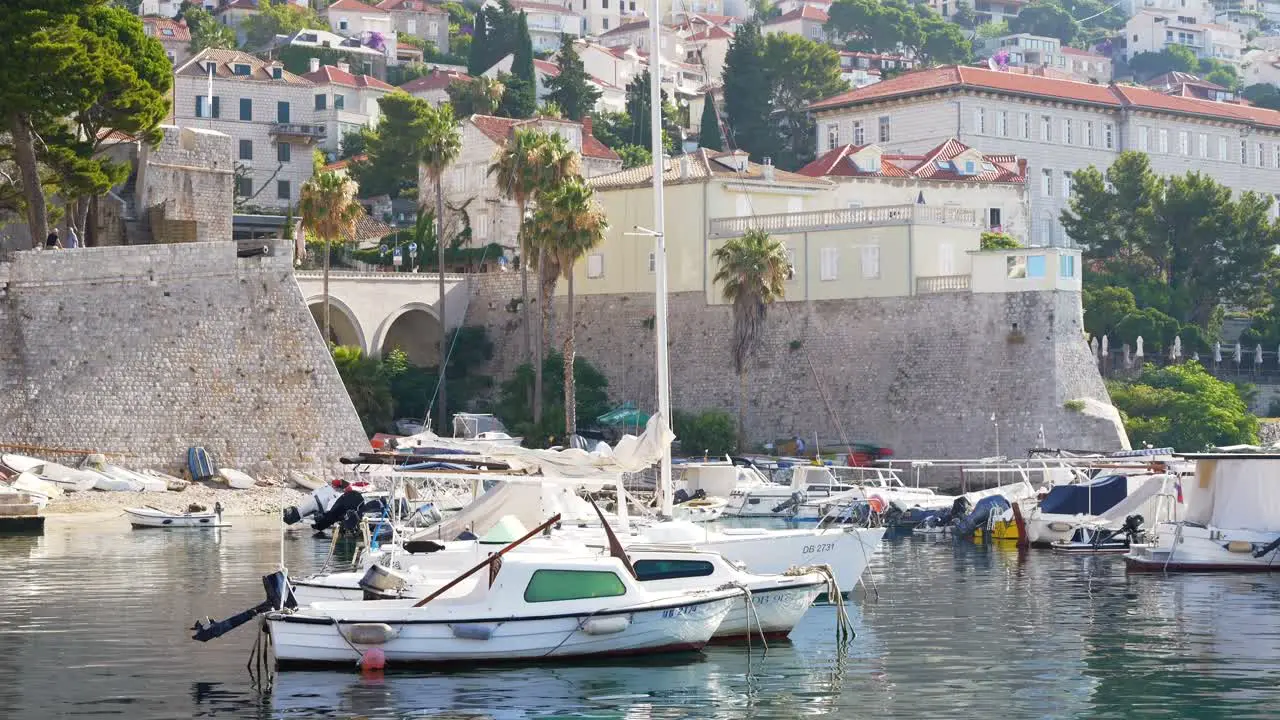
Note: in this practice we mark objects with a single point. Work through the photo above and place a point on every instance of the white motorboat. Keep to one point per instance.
(532, 607)
(704, 509)
(149, 517)
(117, 479)
(470, 431)
(755, 496)
(870, 482)
(1104, 501)
(40, 490)
(63, 477)
(1230, 518)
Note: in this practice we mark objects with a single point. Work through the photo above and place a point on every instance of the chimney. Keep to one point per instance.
(586, 126)
(684, 167)
(1022, 167)
(768, 169)
(344, 66)
(315, 64)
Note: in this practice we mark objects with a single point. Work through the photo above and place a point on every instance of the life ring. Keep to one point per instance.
(877, 503)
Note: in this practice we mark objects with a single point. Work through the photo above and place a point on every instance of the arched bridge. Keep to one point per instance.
(378, 312)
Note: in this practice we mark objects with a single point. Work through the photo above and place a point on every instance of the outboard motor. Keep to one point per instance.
(279, 595)
(792, 503)
(320, 500)
(680, 496)
(349, 502)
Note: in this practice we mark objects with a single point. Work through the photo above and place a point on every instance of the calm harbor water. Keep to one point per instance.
(94, 618)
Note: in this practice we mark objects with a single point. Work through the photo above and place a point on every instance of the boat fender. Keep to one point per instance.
(1239, 546)
(606, 625)
(472, 631)
(370, 633)
(1059, 526)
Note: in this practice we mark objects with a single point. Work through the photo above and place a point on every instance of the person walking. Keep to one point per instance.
(52, 241)
(73, 240)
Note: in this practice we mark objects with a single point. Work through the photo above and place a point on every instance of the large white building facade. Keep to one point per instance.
(1059, 127)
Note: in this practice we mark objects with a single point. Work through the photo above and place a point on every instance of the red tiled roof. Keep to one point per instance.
(499, 129)
(546, 66)
(629, 27)
(435, 80)
(354, 6)
(715, 32)
(166, 29)
(412, 5)
(541, 6)
(331, 75)
(1082, 53)
(346, 162)
(804, 12)
(237, 5)
(838, 162)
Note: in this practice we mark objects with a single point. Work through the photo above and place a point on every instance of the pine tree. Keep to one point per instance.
(522, 63)
(709, 134)
(571, 90)
(479, 44)
(747, 94)
(521, 97)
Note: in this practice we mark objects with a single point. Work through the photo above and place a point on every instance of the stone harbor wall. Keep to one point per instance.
(139, 352)
(921, 374)
(186, 185)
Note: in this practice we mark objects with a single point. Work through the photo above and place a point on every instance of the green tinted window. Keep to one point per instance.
(553, 585)
(671, 569)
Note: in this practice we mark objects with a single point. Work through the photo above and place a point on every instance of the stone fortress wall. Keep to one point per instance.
(921, 374)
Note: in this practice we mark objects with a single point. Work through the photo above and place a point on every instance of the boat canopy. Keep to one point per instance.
(1088, 498)
(1235, 493)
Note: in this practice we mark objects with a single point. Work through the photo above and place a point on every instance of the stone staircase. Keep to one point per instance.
(137, 225)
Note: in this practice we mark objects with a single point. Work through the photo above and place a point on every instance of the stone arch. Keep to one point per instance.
(344, 327)
(415, 328)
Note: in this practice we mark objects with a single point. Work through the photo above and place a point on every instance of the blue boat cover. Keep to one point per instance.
(1091, 498)
(978, 517)
(199, 464)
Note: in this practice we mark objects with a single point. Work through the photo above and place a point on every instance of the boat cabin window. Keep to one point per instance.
(671, 569)
(555, 585)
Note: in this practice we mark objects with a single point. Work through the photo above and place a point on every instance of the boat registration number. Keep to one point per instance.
(824, 547)
(675, 612)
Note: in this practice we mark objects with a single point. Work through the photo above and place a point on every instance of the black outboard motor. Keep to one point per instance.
(792, 503)
(279, 595)
(680, 496)
(349, 502)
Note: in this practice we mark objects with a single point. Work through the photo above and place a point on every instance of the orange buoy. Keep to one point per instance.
(373, 660)
(877, 503)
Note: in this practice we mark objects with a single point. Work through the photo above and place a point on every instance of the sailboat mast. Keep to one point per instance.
(665, 489)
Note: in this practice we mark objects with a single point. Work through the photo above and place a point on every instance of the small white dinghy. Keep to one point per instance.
(150, 517)
(704, 509)
(30, 482)
(20, 463)
(236, 479)
(305, 481)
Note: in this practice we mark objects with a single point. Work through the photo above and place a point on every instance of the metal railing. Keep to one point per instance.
(298, 129)
(942, 284)
(814, 220)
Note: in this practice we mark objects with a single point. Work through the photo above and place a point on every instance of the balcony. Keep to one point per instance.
(787, 223)
(942, 284)
(298, 132)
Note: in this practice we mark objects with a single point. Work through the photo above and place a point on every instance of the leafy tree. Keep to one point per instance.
(519, 100)
(1047, 20)
(494, 36)
(515, 408)
(569, 224)
(478, 52)
(207, 32)
(753, 269)
(1180, 58)
(1156, 329)
(964, 16)
(329, 213)
(709, 131)
(519, 97)
(354, 142)
(391, 168)
(1183, 407)
(1263, 95)
(439, 144)
(898, 26)
(747, 95)
(998, 241)
(634, 155)
(612, 128)
(711, 433)
(992, 30)
(572, 89)
(368, 384)
(477, 96)
(1104, 308)
(277, 17)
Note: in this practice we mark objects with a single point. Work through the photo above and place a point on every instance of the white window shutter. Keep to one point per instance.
(871, 262)
(946, 259)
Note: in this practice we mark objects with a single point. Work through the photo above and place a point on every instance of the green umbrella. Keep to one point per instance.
(626, 415)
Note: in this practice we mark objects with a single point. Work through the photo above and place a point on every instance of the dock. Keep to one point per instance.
(19, 515)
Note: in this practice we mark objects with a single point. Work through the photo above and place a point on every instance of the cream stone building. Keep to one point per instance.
(344, 102)
(266, 110)
(1060, 127)
(469, 187)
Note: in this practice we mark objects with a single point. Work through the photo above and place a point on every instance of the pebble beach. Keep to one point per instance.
(268, 498)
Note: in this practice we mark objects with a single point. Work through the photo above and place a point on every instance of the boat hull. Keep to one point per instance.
(309, 637)
(148, 519)
(1200, 549)
(846, 550)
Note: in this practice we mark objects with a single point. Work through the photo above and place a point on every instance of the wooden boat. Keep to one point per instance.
(236, 479)
(150, 517)
(305, 481)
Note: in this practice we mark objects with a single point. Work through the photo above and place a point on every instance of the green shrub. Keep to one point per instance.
(711, 432)
(1074, 405)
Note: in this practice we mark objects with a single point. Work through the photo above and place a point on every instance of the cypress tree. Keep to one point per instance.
(521, 97)
(572, 90)
(747, 94)
(709, 133)
(522, 64)
(479, 44)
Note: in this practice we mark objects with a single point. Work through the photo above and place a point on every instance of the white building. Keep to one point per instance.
(366, 60)
(266, 109)
(805, 21)
(1023, 50)
(433, 87)
(467, 183)
(637, 35)
(992, 10)
(864, 68)
(949, 175)
(707, 48)
(616, 65)
(548, 20)
(352, 18)
(612, 98)
(343, 102)
(419, 19)
(1153, 30)
(1261, 66)
(1059, 126)
(174, 35)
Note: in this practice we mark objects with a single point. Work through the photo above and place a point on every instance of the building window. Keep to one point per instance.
(242, 69)
(595, 265)
(871, 262)
(1016, 267)
(282, 112)
(833, 135)
(1046, 183)
(1035, 266)
(282, 190)
(1026, 126)
(1184, 142)
(284, 152)
(604, 21)
(653, 263)
(411, 26)
(1066, 131)
(604, 4)
(1046, 129)
(1244, 152)
(201, 101)
(828, 264)
(1066, 186)
(433, 28)
(1109, 135)
(246, 109)
(1088, 133)
(1142, 138)
(322, 101)
(482, 226)
(1261, 156)
(980, 121)
(859, 135)
(246, 149)
(946, 259)
(1162, 138)
(1222, 149)
(342, 24)
(884, 129)
(339, 102)
(993, 219)
(244, 186)
(1002, 123)
(277, 73)
(1202, 145)
(1067, 266)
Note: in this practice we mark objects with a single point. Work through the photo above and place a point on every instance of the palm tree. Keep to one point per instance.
(329, 212)
(439, 145)
(754, 269)
(569, 223)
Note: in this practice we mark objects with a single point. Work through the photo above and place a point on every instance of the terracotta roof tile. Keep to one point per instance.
(804, 12)
(499, 129)
(166, 29)
(1083, 53)
(237, 5)
(353, 6)
(702, 165)
(224, 62)
(541, 7)
(332, 75)
(627, 28)
(435, 80)
(546, 66)
(715, 32)
(838, 162)
(346, 162)
(412, 6)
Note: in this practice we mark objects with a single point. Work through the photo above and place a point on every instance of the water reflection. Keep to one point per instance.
(94, 618)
